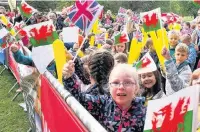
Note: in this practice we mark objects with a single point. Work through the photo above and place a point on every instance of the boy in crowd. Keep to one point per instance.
(178, 72)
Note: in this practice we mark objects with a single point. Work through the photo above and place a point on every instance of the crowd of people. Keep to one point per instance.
(112, 90)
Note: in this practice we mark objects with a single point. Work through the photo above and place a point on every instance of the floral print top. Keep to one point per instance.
(107, 112)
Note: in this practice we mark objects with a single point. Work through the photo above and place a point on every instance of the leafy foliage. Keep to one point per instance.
(183, 8)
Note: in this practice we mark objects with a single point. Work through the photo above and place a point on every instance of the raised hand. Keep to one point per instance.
(68, 69)
(165, 53)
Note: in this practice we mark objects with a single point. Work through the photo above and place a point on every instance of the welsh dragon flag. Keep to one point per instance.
(151, 20)
(121, 37)
(146, 64)
(175, 113)
(26, 10)
(41, 34)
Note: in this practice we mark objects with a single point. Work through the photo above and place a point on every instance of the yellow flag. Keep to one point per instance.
(4, 20)
(98, 46)
(177, 26)
(8, 25)
(158, 43)
(135, 50)
(170, 26)
(92, 39)
(106, 34)
(80, 53)
(60, 57)
(95, 27)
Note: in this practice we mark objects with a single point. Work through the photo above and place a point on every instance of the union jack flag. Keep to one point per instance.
(121, 19)
(100, 38)
(136, 18)
(138, 35)
(84, 13)
(122, 10)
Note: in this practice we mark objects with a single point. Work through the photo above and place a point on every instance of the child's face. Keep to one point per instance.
(122, 87)
(180, 57)
(148, 79)
(173, 40)
(187, 42)
(185, 26)
(120, 48)
(151, 47)
(75, 47)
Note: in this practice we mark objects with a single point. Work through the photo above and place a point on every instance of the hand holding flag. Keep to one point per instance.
(165, 53)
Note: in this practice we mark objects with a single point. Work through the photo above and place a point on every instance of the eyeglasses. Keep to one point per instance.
(124, 84)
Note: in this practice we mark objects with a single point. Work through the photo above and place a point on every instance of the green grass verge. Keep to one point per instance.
(12, 116)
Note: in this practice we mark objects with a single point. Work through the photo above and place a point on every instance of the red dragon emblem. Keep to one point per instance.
(173, 117)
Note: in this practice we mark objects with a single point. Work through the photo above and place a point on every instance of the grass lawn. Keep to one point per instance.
(12, 116)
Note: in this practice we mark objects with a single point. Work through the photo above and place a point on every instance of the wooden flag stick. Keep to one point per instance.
(80, 48)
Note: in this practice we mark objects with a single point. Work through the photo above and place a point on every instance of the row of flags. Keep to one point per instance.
(83, 14)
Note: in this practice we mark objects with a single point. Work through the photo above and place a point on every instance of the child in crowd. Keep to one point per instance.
(151, 86)
(192, 51)
(120, 58)
(177, 74)
(108, 45)
(119, 111)
(110, 32)
(120, 48)
(173, 37)
(75, 47)
(150, 48)
(99, 66)
(186, 30)
(196, 41)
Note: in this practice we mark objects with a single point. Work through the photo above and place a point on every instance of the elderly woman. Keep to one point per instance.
(119, 111)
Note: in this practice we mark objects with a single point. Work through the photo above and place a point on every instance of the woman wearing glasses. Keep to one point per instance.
(119, 111)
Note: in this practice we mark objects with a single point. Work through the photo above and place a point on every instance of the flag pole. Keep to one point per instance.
(80, 47)
(24, 23)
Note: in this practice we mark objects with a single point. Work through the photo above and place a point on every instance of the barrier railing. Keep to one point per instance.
(50, 107)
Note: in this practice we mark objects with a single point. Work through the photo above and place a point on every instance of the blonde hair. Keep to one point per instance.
(174, 32)
(181, 47)
(125, 68)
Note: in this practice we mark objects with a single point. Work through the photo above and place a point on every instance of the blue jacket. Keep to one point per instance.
(27, 60)
(192, 56)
